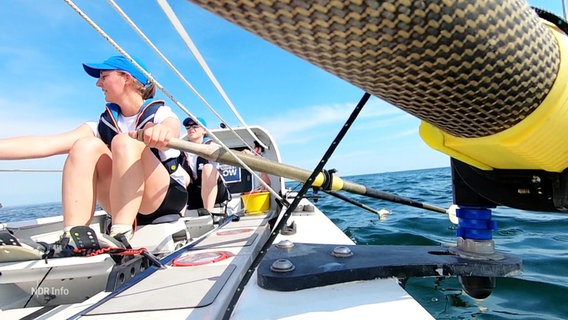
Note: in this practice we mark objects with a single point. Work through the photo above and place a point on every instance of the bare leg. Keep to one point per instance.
(157, 182)
(86, 172)
(209, 176)
(139, 181)
(264, 176)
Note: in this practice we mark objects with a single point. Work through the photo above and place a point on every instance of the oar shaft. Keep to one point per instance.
(218, 154)
(377, 194)
(353, 202)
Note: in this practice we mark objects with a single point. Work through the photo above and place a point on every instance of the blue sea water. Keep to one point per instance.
(540, 239)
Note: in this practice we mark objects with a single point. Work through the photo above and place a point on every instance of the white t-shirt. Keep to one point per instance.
(192, 160)
(127, 124)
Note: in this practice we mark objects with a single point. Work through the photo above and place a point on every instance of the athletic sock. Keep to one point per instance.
(67, 229)
(67, 235)
(125, 229)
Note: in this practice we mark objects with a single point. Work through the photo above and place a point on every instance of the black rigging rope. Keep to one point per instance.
(307, 185)
(37, 287)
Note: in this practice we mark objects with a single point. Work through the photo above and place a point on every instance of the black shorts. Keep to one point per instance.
(194, 200)
(173, 203)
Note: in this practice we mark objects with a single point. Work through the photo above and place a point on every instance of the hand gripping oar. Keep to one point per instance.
(323, 180)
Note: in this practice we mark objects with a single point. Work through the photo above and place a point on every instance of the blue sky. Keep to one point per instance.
(46, 91)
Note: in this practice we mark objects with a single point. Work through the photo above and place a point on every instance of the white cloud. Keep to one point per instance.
(314, 122)
(401, 134)
(34, 117)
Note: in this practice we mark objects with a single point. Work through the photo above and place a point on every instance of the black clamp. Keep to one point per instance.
(328, 179)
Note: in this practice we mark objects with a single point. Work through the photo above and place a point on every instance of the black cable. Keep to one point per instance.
(307, 185)
(42, 280)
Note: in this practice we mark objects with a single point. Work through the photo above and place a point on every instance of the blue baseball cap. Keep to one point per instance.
(117, 63)
(188, 122)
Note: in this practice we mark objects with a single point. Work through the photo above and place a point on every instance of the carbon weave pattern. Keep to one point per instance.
(470, 68)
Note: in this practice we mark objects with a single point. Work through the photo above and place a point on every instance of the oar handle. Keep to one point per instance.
(216, 153)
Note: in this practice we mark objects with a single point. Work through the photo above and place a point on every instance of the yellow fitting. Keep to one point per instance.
(336, 182)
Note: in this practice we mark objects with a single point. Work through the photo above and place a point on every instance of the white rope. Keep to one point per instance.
(166, 60)
(174, 69)
(193, 49)
(159, 86)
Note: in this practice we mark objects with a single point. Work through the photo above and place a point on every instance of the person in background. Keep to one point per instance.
(206, 187)
(263, 175)
(106, 163)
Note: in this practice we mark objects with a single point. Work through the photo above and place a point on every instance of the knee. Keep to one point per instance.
(87, 148)
(122, 143)
(209, 171)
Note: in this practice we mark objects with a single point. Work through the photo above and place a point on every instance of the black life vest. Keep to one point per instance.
(108, 126)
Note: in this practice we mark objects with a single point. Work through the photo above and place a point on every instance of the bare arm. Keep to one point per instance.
(159, 135)
(41, 146)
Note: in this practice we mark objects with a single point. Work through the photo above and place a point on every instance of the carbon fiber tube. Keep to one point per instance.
(469, 68)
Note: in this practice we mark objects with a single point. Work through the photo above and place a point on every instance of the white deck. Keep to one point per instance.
(167, 293)
(381, 298)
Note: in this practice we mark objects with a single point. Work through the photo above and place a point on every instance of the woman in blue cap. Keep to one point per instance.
(206, 187)
(106, 163)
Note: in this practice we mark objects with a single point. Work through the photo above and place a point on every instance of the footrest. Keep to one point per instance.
(8, 239)
(11, 250)
(84, 238)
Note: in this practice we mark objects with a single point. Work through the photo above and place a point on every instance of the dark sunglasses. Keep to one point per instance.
(194, 126)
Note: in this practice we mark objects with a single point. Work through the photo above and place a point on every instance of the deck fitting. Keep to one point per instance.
(282, 265)
(342, 252)
(285, 244)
